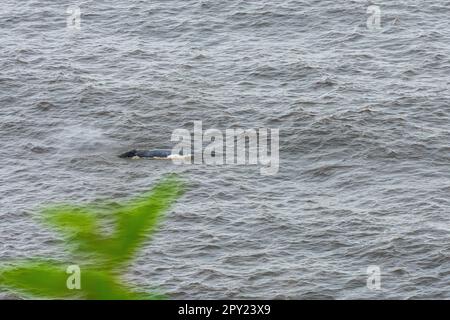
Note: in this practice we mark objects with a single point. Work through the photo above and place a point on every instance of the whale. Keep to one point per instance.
(155, 154)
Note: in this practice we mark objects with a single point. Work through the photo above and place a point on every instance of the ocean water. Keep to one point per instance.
(363, 113)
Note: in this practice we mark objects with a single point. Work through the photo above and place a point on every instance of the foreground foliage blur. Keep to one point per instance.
(101, 255)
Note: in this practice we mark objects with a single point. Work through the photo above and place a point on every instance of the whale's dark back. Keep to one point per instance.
(156, 153)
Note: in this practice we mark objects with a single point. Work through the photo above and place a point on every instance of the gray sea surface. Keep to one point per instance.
(363, 115)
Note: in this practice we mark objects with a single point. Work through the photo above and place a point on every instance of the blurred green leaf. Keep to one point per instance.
(71, 219)
(37, 279)
(79, 225)
(49, 280)
(134, 221)
(139, 219)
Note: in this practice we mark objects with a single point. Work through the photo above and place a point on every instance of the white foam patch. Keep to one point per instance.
(179, 157)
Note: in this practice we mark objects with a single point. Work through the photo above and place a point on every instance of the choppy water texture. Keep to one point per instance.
(364, 130)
